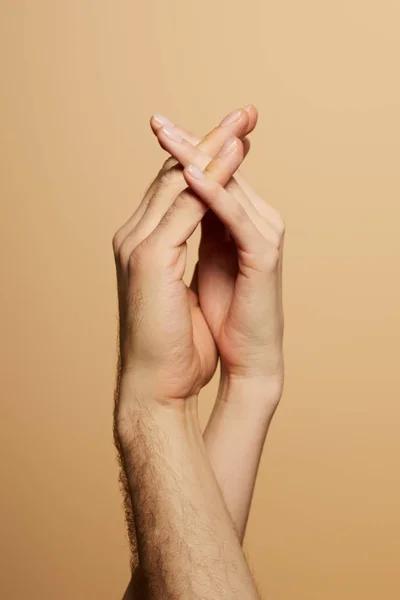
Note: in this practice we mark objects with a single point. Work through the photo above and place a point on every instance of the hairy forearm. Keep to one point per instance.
(187, 545)
(234, 439)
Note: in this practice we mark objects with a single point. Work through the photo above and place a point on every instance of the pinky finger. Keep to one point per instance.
(227, 208)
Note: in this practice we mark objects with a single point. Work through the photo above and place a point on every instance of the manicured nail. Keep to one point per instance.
(232, 117)
(162, 120)
(171, 133)
(195, 172)
(228, 147)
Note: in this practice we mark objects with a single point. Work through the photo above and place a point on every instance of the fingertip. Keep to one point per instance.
(244, 121)
(170, 133)
(194, 173)
(154, 125)
(251, 109)
(157, 122)
(253, 116)
(240, 147)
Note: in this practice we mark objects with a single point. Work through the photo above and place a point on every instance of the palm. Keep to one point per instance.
(180, 341)
(239, 322)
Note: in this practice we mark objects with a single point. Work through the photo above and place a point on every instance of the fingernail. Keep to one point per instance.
(232, 117)
(228, 147)
(171, 133)
(162, 120)
(195, 172)
(248, 107)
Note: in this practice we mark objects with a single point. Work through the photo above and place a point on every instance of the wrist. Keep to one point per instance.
(257, 392)
(245, 408)
(139, 409)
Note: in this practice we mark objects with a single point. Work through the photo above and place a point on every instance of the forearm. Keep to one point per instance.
(186, 542)
(234, 439)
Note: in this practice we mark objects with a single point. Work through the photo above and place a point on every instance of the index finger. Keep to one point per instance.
(243, 125)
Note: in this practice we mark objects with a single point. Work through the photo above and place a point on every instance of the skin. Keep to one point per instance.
(171, 337)
(254, 374)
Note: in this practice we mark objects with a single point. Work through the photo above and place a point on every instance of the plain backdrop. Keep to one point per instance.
(79, 82)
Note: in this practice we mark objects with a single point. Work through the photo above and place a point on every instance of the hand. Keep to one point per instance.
(165, 342)
(239, 278)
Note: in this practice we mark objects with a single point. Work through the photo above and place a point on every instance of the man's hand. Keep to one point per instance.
(165, 342)
(186, 541)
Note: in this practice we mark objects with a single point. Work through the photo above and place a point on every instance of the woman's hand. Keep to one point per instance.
(239, 278)
(166, 345)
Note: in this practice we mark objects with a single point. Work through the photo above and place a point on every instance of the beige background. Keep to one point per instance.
(80, 80)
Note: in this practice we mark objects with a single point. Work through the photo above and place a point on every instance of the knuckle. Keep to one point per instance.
(124, 254)
(134, 261)
(269, 259)
(117, 241)
(171, 177)
(138, 256)
(187, 202)
(280, 225)
(168, 164)
(183, 199)
(169, 214)
(126, 249)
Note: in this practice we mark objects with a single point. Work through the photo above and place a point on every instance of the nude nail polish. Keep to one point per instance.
(171, 133)
(228, 147)
(195, 172)
(162, 120)
(231, 118)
